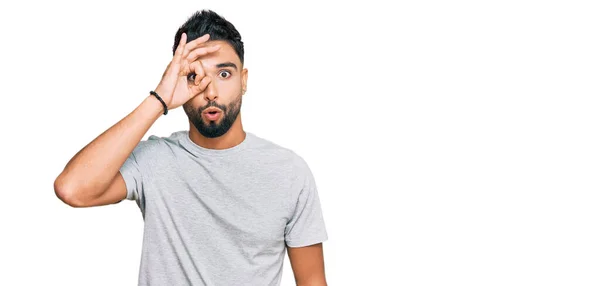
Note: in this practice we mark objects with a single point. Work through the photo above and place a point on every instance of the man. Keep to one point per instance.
(220, 205)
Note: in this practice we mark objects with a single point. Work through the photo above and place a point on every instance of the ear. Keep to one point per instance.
(244, 80)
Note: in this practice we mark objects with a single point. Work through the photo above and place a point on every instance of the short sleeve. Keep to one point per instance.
(306, 226)
(130, 170)
(136, 169)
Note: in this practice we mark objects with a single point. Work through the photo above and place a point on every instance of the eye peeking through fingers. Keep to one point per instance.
(191, 77)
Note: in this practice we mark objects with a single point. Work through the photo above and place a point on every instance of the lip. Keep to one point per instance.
(211, 109)
(212, 117)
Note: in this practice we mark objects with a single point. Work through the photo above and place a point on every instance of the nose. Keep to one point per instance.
(210, 93)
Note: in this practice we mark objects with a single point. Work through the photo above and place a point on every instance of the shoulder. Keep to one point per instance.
(285, 156)
(155, 144)
(269, 148)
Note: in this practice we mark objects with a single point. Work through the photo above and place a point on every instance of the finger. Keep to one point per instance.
(194, 44)
(201, 51)
(180, 47)
(196, 67)
(173, 67)
(197, 89)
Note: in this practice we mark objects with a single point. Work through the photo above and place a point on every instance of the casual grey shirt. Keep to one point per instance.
(220, 217)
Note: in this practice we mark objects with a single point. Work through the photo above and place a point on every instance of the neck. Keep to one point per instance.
(233, 137)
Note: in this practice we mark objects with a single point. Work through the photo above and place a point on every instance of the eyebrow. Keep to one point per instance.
(226, 64)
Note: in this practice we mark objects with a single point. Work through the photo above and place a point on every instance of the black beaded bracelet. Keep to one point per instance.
(161, 101)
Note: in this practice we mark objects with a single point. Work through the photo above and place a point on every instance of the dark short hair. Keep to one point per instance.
(208, 22)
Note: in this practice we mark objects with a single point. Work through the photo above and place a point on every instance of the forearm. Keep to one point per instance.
(314, 280)
(313, 283)
(92, 169)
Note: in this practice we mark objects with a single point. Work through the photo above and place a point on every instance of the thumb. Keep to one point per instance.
(200, 87)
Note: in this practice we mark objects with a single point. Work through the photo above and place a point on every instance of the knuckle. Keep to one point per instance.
(191, 55)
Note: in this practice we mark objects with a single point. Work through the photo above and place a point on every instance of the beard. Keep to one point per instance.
(212, 129)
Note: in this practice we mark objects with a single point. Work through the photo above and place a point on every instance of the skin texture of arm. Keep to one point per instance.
(94, 169)
(308, 265)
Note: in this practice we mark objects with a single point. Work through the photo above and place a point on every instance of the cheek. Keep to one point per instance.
(232, 86)
(189, 108)
(196, 102)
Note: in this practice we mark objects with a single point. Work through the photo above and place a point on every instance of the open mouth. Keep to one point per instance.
(212, 113)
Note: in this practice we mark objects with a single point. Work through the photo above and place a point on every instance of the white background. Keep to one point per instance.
(453, 142)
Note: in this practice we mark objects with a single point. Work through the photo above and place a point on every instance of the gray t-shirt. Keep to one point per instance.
(220, 217)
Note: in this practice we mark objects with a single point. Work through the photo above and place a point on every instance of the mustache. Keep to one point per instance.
(213, 104)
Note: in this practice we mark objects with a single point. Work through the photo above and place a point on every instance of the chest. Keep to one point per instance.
(223, 202)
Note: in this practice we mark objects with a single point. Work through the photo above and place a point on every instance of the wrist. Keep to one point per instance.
(154, 105)
(162, 102)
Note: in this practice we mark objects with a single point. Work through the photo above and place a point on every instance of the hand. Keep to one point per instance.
(175, 88)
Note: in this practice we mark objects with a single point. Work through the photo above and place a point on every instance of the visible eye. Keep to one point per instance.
(191, 77)
(224, 72)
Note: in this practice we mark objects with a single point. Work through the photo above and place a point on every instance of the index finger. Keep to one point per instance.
(198, 52)
(194, 44)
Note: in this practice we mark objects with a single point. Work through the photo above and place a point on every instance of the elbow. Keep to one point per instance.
(66, 193)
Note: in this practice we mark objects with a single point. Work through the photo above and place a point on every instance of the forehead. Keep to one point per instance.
(225, 54)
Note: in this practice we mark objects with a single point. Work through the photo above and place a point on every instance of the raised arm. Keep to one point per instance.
(92, 177)
(94, 168)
